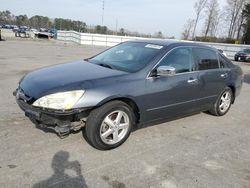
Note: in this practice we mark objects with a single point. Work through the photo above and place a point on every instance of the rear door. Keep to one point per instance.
(211, 76)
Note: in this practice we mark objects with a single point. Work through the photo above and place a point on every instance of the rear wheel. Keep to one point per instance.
(110, 125)
(223, 103)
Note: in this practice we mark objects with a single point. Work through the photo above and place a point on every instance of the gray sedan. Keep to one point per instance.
(126, 87)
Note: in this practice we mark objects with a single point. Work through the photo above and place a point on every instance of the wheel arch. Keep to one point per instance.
(128, 100)
(233, 91)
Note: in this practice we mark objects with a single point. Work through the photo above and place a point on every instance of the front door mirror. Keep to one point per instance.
(166, 71)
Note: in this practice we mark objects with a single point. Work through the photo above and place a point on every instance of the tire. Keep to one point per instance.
(110, 125)
(223, 103)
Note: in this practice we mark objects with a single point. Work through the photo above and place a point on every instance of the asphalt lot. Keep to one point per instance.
(196, 151)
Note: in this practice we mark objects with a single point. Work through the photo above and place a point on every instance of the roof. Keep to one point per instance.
(167, 42)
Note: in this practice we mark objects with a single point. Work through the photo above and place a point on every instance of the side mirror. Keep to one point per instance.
(166, 71)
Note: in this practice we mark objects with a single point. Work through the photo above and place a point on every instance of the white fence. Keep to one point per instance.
(111, 40)
(93, 39)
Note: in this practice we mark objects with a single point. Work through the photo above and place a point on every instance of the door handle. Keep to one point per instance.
(224, 75)
(191, 81)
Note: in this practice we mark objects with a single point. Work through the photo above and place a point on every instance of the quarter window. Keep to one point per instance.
(206, 59)
(180, 58)
(223, 63)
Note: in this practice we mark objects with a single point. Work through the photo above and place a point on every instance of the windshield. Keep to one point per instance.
(246, 51)
(129, 57)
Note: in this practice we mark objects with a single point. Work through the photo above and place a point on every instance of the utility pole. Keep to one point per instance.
(103, 5)
(116, 26)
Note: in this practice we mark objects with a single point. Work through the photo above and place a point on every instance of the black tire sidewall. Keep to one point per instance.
(103, 111)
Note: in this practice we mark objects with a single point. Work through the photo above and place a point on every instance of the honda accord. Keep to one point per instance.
(128, 86)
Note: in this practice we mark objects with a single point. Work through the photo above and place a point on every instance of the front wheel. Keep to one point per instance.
(110, 125)
(223, 103)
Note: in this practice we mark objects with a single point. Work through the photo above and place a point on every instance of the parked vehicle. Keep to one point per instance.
(33, 30)
(43, 30)
(127, 87)
(22, 32)
(7, 26)
(243, 55)
(53, 32)
(222, 52)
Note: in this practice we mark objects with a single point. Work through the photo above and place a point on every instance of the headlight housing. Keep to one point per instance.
(60, 101)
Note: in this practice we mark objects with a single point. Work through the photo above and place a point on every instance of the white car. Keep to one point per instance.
(222, 52)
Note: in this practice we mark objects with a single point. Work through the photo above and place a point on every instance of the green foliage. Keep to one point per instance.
(122, 32)
(40, 22)
(22, 20)
(64, 24)
(216, 40)
(67, 24)
(101, 29)
(159, 35)
(6, 17)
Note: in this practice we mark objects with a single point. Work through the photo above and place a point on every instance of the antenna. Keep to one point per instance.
(103, 6)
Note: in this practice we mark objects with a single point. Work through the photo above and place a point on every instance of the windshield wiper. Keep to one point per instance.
(100, 64)
(106, 65)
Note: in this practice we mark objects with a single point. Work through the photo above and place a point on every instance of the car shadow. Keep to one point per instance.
(62, 167)
(247, 78)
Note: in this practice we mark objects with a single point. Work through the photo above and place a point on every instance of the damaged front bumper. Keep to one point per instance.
(62, 122)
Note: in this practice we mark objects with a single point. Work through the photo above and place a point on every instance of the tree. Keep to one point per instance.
(233, 16)
(159, 35)
(101, 29)
(67, 24)
(246, 25)
(188, 27)
(40, 22)
(6, 17)
(122, 32)
(198, 6)
(212, 18)
(22, 20)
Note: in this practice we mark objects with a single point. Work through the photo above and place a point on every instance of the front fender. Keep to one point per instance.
(97, 98)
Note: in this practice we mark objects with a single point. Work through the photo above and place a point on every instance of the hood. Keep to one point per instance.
(64, 77)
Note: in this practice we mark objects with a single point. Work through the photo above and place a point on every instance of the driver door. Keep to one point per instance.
(167, 96)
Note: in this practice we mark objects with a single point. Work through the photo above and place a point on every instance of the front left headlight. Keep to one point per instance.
(59, 101)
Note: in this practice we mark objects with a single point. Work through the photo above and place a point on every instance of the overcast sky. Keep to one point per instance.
(147, 16)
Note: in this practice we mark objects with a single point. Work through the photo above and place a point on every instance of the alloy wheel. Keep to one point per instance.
(225, 101)
(114, 127)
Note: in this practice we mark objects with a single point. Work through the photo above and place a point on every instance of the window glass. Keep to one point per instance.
(246, 50)
(180, 58)
(129, 56)
(206, 59)
(225, 62)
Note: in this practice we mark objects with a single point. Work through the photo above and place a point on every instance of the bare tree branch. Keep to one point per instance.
(212, 17)
(233, 10)
(186, 34)
(198, 6)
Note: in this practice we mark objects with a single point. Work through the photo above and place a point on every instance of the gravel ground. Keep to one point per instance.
(196, 151)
